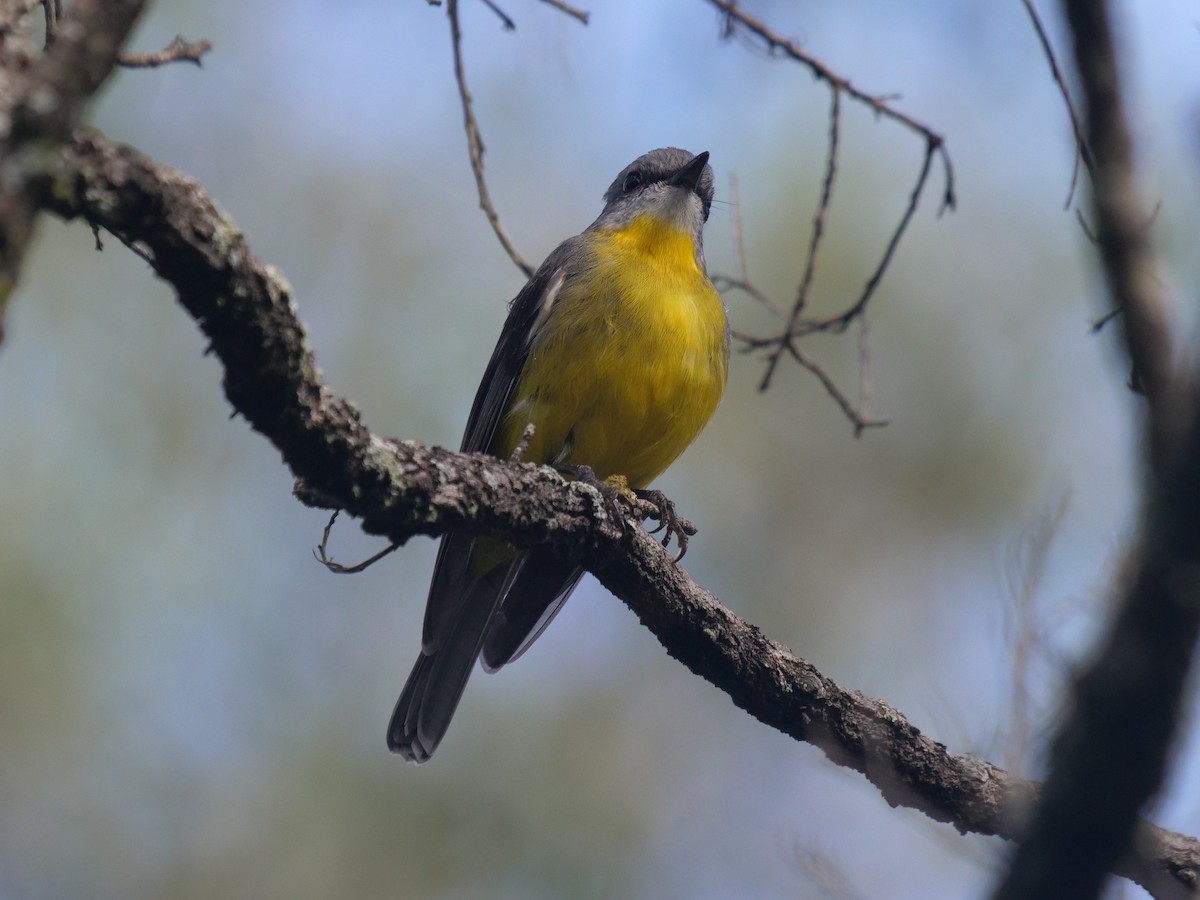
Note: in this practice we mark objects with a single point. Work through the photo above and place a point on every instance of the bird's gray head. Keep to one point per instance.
(670, 184)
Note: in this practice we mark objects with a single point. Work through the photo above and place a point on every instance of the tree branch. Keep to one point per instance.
(1110, 755)
(39, 110)
(400, 489)
(178, 50)
(794, 324)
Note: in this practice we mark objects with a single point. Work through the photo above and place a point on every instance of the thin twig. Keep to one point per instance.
(178, 50)
(881, 105)
(1099, 324)
(1082, 151)
(818, 227)
(1088, 231)
(857, 417)
(519, 451)
(323, 557)
(580, 14)
(509, 24)
(475, 144)
(737, 21)
(866, 386)
(842, 320)
(1075, 163)
(818, 232)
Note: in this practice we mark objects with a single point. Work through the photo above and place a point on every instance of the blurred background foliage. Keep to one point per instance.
(191, 706)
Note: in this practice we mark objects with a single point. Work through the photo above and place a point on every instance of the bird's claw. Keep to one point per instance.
(621, 500)
(652, 504)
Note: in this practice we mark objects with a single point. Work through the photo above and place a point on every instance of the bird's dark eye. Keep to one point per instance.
(632, 181)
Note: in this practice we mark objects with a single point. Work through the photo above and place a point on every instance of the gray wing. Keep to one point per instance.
(495, 392)
(461, 610)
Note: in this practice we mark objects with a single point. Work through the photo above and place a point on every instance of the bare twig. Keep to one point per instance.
(1098, 324)
(178, 50)
(1082, 151)
(857, 417)
(737, 21)
(519, 451)
(787, 342)
(818, 224)
(866, 386)
(323, 557)
(814, 244)
(934, 146)
(580, 14)
(1087, 230)
(475, 144)
(508, 23)
(842, 320)
(881, 105)
(799, 327)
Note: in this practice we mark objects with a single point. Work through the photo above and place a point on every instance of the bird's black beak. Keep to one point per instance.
(689, 176)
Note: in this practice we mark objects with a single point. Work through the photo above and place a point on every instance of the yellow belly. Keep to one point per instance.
(631, 362)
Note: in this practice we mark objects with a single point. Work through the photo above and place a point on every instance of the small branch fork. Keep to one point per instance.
(179, 50)
(795, 324)
(736, 17)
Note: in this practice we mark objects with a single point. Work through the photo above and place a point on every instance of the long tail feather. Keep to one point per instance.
(438, 679)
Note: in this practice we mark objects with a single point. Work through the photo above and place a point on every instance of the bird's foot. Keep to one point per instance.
(622, 500)
(652, 504)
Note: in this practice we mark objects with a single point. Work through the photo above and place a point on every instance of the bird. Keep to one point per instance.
(616, 351)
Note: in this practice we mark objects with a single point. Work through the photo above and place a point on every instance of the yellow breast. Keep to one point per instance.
(631, 362)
